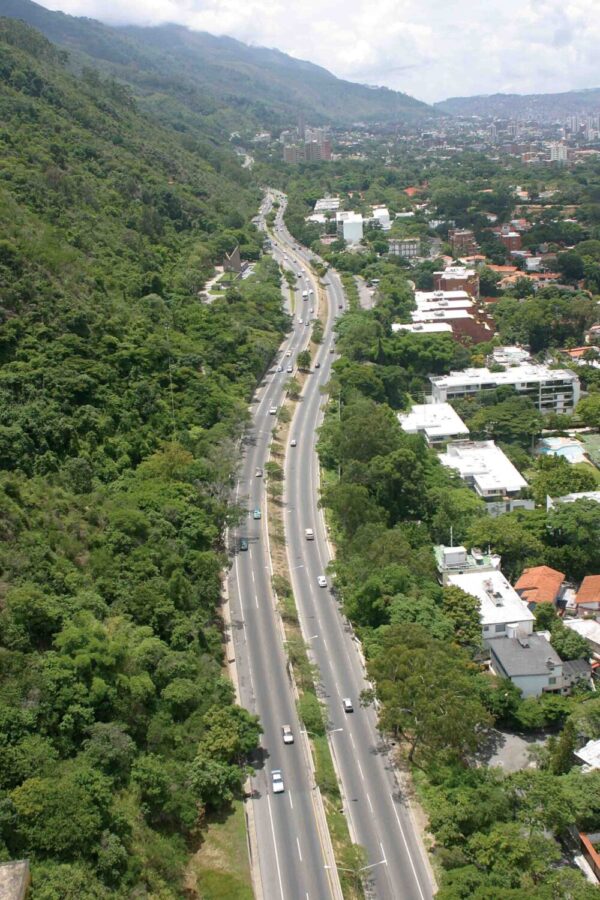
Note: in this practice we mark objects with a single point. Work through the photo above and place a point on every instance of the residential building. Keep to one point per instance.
(381, 217)
(294, 153)
(350, 226)
(484, 467)
(540, 584)
(15, 879)
(559, 153)
(511, 239)
(437, 422)
(457, 278)
(589, 755)
(576, 672)
(462, 241)
(510, 355)
(327, 204)
(407, 248)
(592, 335)
(571, 498)
(529, 660)
(499, 604)
(588, 595)
(551, 390)
(588, 629)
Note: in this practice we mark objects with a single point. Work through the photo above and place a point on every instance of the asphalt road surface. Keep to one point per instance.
(294, 852)
(379, 818)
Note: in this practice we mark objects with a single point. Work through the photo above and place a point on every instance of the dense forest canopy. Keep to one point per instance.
(122, 396)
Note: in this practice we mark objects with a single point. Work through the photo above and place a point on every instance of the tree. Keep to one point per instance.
(570, 265)
(231, 733)
(588, 410)
(463, 611)
(303, 359)
(555, 477)
(572, 537)
(436, 717)
(513, 420)
(515, 536)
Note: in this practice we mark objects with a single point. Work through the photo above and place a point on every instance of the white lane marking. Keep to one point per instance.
(290, 799)
(383, 853)
(275, 848)
(360, 769)
(370, 804)
(352, 740)
(412, 865)
(299, 850)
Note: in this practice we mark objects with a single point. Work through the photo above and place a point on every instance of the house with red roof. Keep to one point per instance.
(588, 595)
(540, 584)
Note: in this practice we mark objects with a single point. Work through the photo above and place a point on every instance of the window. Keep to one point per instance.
(552, 680)
(500, 626)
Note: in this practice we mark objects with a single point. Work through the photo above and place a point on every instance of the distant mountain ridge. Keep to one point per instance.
(539, 107)
(209, 76)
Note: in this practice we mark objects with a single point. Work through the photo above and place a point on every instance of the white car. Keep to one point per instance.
(293, 442)
(273, 411)
(322, 581)
(287, 734)
(290, 369)
(280, 368)
(347, 704)
(258, 473)
(288, 353)
(299, 321)
(277, 781)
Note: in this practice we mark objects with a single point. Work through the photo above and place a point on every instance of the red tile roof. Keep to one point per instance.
(589, 590)
(540, 584)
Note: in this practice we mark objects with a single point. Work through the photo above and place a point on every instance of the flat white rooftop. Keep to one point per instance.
(587, 628)
(327, 203)
(436, 296)
(424, 327)
(436, 421)
(420, 315)
(589, 755)
(483, 465)
(456, 272)
(431, 305)
(516, 375)
(499, 603)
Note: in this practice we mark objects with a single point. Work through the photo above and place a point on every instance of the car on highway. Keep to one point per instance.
(257, 513)
(288, 353)
(317, 365)
(289, 370)
(332, 349)
(347, 704)
(277, 781)
(287, 734)
(322, 581)
(293, 442)
(243, 544)
(272, 410)
(340, 305)
(280, 368)
(258, 473)
(309, 534)
(299, 321)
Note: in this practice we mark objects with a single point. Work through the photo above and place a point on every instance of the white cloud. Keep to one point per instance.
(431, 49)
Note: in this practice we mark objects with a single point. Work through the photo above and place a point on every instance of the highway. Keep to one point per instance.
(378, 817)
(295, 858)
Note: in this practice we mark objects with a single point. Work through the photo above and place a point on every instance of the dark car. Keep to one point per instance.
(243, 544)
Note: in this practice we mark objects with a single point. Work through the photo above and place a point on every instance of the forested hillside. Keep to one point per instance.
(121, 398)
(537, 107)
(191, 77)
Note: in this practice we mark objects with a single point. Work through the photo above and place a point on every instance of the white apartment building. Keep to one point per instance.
(485, 468)
(499, 604)
(381, 217)
(350, 226)
(510, 355)
(551, 390)
(437, 422)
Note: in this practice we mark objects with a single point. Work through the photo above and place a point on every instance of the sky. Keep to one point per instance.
(431, 49)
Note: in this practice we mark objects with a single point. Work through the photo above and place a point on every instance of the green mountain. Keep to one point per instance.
(220, 80)
(122, 397)
(529, 107)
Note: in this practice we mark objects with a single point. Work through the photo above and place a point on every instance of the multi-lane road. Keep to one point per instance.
(295, 858)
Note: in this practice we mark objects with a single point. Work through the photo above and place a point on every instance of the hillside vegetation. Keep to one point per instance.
(538, 107)
(121, 398)
(219, 81)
